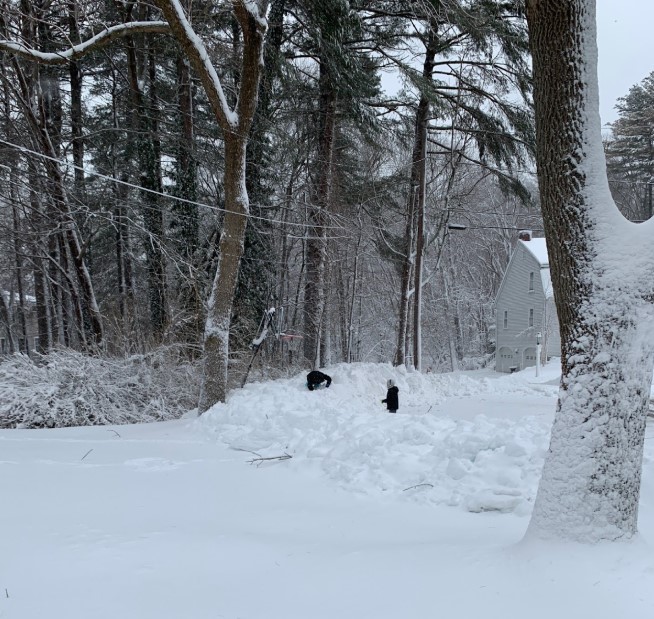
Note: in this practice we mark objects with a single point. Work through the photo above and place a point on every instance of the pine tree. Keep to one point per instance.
(630, 151)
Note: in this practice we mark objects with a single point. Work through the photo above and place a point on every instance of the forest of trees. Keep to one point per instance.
(378, 124)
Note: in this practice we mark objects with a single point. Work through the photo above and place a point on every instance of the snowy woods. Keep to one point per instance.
(136, 172)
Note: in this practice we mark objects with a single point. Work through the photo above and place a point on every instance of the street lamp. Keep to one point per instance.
(538, 336)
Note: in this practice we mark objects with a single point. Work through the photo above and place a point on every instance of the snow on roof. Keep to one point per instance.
(538, 249)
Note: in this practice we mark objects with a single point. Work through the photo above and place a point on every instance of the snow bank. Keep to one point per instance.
(439, 448)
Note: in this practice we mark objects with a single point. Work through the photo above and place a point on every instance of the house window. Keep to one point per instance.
(506, 319)
(531, 317)
(531, 281)
(36, 342)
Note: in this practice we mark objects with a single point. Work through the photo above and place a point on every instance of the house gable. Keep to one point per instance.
(524, 307)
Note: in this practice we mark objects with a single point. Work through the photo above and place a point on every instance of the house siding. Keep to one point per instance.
(516, 345)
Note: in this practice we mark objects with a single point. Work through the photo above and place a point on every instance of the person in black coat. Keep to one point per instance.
(391, 400)
(316, 378)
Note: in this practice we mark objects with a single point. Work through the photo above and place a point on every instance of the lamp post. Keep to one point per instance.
(538, 336)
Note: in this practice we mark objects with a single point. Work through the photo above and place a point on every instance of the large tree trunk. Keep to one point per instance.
(219, 309)
(601, 272)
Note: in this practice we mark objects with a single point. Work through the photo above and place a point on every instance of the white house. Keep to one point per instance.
(525, 310)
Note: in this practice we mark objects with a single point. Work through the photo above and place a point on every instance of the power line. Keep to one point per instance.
(158, 193)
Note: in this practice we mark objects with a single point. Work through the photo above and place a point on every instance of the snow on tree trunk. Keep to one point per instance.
(230, 251)
(601, 266)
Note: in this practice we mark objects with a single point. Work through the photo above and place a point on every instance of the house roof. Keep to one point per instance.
(538, 249)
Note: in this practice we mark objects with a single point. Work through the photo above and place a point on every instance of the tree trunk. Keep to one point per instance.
(414, 233)
(219, 306)
(18, 261)
(236, 125)
(355, 285)
(314, 290)
(601, 273)
(76, 103)
(142, 70)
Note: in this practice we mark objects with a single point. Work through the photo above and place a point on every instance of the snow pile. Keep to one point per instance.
(68, 388)
(433, 450)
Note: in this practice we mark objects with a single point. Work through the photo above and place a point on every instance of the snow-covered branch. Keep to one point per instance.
(198, 56)
(95, 42)
(253, 25)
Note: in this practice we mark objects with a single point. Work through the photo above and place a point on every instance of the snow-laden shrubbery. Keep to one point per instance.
(67, 388)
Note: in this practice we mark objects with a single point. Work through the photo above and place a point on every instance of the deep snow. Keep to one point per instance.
(418, 514)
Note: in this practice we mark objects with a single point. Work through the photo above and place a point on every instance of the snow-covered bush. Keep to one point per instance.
(66, 388)
(477, 363)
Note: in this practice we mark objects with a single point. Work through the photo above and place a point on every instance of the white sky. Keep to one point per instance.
(626, 49)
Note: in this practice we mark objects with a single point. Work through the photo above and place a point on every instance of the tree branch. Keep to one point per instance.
(78, 51)
(198, 56)
(253, 25)
(259, 461)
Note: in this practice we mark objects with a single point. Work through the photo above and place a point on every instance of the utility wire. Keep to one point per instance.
(158, 193)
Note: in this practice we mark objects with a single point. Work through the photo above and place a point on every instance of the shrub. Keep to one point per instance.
(66, 388)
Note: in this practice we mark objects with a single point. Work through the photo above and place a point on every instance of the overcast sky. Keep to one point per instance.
(625, 39)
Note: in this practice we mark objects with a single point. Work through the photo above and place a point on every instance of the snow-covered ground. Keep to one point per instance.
(416, 515)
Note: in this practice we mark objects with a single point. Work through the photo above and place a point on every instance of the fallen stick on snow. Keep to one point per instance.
(258, 461)
(418, 486)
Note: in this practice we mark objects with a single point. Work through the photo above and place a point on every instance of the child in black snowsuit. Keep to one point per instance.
(392, 399)
(316, 378)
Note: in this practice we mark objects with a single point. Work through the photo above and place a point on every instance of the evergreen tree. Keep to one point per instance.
(630, 151)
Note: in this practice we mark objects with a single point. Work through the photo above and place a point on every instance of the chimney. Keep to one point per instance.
(524, 235)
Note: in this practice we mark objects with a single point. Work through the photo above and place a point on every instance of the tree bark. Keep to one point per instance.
(591, 479)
